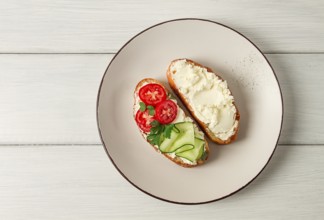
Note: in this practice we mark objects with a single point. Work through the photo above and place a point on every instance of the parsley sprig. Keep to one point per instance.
(150, 108)
(159, 132)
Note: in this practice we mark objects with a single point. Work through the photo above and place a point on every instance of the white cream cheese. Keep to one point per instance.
(184, 160)
(209, 97)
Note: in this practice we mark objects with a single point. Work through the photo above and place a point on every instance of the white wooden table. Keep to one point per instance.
(53, 55)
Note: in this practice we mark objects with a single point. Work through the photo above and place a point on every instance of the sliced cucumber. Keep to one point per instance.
(187, 134)
(184, 148)
(167, 145)
(183, 142)
(201, 151)
(182, 138)
(194, 154)
(183, 126)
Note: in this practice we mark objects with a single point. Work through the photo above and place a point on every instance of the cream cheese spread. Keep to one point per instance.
(209, 97)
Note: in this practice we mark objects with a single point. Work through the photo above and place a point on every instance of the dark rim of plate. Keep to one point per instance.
(104, 145)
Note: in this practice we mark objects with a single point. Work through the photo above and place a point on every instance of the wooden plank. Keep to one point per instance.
(104, 26)
(51, 99)
(79, 182)
(301, 78)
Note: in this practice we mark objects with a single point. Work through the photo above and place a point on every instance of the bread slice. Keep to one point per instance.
(212, 135)
(175, 159)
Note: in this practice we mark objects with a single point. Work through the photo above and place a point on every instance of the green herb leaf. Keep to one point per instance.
(155, 123)
(151, 110)
(159, 132)
(142, 106)
(154, 139)
(156, 129)
(151, 138)
(167, 130)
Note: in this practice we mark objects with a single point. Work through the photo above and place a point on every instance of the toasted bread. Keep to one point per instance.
(188, 105)
(175, 159)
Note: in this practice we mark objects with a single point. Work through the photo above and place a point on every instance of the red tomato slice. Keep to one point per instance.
(152, 94)
(143, 120)
(166, 112)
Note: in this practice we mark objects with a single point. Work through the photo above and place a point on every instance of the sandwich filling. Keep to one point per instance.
(209, 97)
(165, 126)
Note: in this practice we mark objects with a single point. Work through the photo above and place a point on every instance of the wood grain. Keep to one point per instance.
(52, 165)
(51, 99)
(79, 182)
(104, 26)
(300, 77)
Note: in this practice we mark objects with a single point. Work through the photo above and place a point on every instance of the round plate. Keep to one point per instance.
(251, 80)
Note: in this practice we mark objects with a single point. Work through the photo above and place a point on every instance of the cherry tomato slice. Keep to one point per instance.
(152, 94)
(166, 112)
(143, 120)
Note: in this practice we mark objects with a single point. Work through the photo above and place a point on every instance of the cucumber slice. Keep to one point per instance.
(201, 151)
(167, 145)
(194, 154)
(182, 139)
(184, 126)
(184, 148)
(187, 134)
(183, 142)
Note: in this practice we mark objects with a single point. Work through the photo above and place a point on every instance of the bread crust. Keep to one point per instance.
(203, 126)
(176, 159)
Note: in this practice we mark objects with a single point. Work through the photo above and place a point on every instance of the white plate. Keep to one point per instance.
(253, 84)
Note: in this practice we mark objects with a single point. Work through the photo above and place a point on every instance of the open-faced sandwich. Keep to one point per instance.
(166, 126)
(207, 97)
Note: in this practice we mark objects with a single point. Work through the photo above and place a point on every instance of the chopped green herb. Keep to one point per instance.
(155, 123)
(167, 130)
(155, 139)
(142, 106)
(156, 129)
(151, 110)
(159, 132)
